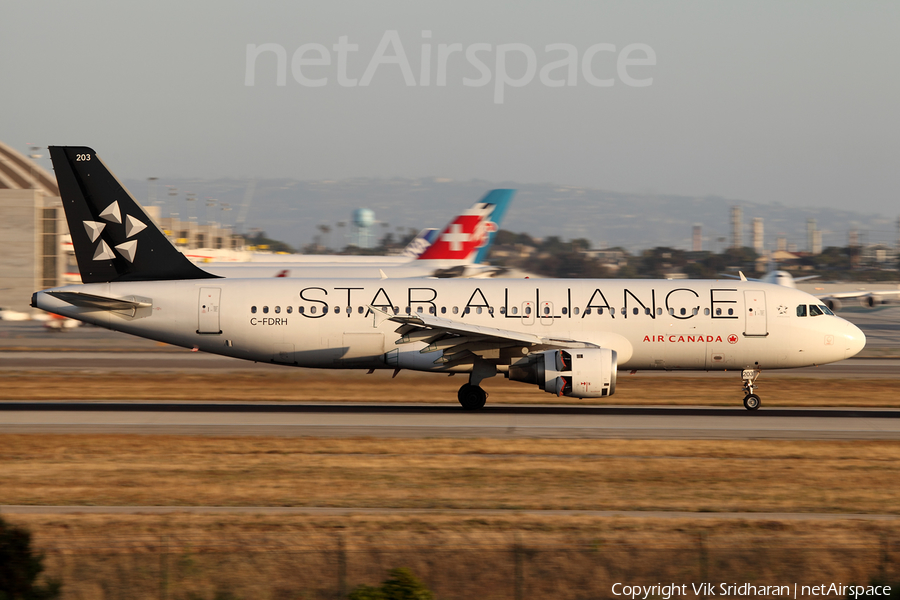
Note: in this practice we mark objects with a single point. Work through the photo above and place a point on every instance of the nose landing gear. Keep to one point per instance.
(748, 377)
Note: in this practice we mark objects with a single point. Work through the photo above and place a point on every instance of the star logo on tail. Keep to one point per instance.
(112, 214)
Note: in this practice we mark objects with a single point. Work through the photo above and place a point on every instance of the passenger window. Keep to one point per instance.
(502, 310)
(301, 310)
(337, 310)
(253, 310)
(635, 310)
(527, 310)
(546, 310)
(349, 310)
(312, 310)
(683, 312)
(277, 310)
(730, 311)
(468, 310)
(455, 310)
(515, 310)
(695, 310)
(576, 310)
(706, 312)
(419, 310)
(672, 312)
(408, 310)
(431, 310)
(815, 311)
(360, 310)
(801, 310)
(289, 309)
(565, 310)
(478, 310)
(599, 311)
(587, 311)
(396, 310)
(719, 311)
(659, 311)
(443, 310)
(265, 310)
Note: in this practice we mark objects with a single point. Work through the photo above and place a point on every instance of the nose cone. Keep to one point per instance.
(854, 340)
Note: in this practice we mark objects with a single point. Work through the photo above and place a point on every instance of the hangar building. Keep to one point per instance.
(31, 223)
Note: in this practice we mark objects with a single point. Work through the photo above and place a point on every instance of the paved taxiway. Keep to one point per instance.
(383, 420)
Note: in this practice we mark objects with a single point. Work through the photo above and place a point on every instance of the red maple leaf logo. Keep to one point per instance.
(732, 339)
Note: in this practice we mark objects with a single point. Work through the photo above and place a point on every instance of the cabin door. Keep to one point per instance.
(755, 313)
(208, 311)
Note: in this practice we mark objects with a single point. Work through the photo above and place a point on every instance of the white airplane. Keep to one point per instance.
(456, 251)
(568, 337)
(834, 300)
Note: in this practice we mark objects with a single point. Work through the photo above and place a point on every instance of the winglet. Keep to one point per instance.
(743, 278)
(383, 276)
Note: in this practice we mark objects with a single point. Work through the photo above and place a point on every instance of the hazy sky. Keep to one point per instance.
(764, 101)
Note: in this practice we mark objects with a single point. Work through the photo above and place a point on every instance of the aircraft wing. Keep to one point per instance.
(866, 298)
(461, 342)
(861, 294)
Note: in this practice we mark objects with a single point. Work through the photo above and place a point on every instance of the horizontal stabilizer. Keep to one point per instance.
(98, 302)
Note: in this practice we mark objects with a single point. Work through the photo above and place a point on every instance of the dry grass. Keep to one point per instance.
(565, 557)
(708, 476)
(331, 386)
(264, 557)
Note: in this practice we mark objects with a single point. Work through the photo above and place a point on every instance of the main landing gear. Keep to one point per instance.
(751, 400)
(472, 397)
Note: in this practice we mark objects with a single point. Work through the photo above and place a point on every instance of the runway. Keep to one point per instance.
(429, 420)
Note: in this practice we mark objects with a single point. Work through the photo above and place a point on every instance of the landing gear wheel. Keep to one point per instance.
(751, 402)
(748, 376)
(472, 397)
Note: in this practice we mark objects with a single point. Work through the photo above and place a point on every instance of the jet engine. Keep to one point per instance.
(834, 304)
(585, 373)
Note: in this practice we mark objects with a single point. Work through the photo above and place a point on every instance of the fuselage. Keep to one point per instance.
(329, 323)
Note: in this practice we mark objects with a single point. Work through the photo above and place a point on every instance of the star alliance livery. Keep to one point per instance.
(568, 337)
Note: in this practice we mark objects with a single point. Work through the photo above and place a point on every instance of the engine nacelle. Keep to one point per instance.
(834, 304)
(586, 373)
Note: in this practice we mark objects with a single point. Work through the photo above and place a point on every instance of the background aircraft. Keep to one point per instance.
(836, 301)
(457, 251)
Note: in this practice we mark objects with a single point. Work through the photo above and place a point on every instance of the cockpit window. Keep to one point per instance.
(801, 310)
(826, 310)
(815, 311)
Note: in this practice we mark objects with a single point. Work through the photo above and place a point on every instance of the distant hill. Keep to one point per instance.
(290, 210)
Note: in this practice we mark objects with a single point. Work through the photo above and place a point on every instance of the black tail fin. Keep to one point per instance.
(114, 239)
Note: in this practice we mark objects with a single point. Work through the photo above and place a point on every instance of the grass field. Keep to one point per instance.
(668, 475)
(468, 555)
(296, 385)
(565, 558)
